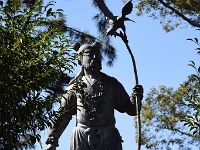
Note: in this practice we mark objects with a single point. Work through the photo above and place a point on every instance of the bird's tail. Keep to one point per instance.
(127, 19)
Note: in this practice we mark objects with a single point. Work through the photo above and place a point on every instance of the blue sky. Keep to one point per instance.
(161, 57)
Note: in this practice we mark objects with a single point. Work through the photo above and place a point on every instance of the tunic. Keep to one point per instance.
(96, 102)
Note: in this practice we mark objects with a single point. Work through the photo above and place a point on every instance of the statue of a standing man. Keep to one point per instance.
(95, 96)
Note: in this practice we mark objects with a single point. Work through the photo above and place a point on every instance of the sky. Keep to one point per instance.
(161, 58)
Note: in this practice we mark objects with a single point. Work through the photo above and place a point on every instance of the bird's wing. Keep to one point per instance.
(127, 9)
(102, 6)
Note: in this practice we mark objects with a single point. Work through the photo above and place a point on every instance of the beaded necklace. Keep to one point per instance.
(93, 103)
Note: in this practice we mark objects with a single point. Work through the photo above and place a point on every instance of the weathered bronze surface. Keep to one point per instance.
(92, 96)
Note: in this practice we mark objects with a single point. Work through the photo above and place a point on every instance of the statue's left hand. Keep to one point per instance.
(52, 142)
(51, 147)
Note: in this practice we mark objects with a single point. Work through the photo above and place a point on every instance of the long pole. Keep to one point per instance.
(124, 38)
(137, 99)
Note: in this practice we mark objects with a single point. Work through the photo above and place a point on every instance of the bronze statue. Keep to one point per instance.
(95, 96)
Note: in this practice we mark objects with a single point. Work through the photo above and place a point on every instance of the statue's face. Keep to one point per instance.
(91, 59)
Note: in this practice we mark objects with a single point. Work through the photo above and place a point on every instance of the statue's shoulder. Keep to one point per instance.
(109, 79)
(70, 88)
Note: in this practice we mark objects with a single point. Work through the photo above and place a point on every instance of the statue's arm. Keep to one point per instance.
(124, 103)
(62, 119)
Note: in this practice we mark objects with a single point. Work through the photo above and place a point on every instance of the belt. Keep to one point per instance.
(94, 126)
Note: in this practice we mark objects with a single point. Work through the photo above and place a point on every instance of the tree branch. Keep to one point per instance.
(176, 129)
(82, 33)
(86, 35)
(193, 23)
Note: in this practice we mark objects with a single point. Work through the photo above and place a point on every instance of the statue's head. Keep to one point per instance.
(89, 55)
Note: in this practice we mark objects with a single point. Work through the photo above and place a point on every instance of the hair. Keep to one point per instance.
(80, 49)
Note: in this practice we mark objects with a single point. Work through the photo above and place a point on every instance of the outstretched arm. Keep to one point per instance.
(125, 103)
(55, 131)
(61, 121)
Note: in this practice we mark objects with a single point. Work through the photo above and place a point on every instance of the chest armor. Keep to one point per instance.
(95, 103)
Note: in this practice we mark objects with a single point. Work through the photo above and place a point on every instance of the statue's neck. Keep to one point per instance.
(92, 74)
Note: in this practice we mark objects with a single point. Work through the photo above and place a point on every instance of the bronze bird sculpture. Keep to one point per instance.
(116, 22)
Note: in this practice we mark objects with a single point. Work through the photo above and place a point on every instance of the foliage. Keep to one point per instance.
(83, 37)
(172, 117)
(161, 117)
(171, 13)
(193, 97)
(34, 56)
(102, 25)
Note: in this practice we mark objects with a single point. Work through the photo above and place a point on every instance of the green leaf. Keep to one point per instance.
(33, 139)
(199, 69)
(49, 11)
(190, 39)
(192, 64)
(192, 128)
(196, 40)
(38, 137)
(40, 8)
(59, 10)
(197, 49)
(194, 132)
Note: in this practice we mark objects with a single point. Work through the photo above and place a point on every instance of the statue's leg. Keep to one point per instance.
(79, 139)
(84, 138)
(112, 140)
